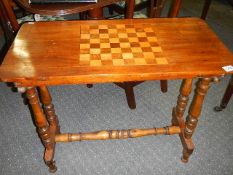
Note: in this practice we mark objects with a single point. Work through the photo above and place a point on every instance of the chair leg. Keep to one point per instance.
(163, 85)
(89, 85)
(205, 9)
(227, 96)
(130, 95)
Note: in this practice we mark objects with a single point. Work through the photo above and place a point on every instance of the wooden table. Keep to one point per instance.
(75, 52)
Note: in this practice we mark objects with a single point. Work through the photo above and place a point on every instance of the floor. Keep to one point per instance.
(104, 107)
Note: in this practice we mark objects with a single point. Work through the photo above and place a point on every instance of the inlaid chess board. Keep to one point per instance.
(119, 45)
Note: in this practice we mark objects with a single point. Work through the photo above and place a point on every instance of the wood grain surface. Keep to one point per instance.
(48, 53)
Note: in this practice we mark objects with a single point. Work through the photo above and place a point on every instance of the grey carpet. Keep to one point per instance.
(104, 107)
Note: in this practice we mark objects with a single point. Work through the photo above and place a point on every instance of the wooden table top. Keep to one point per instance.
(73, 52)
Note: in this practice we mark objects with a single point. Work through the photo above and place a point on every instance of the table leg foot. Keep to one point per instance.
(52, 166)
(218, 108)
(186, 155)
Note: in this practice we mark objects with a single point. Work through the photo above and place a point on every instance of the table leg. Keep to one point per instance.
(48, 106)
(96, 13)
(192, 118)
(43, 128)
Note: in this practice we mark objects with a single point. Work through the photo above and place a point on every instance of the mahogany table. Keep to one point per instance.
(114, 51)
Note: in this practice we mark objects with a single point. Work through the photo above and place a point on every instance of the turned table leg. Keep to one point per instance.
(48, 106)
(192, 118)
(43, 128)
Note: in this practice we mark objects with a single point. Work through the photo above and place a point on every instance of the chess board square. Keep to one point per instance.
(95, 51)
(104, 35)
(140, 61)
(133, 39)
(103, 26)
(123, 40)
(127, 55)
(84, 46)
(115, 50)
(130, 30)
(94, 40)
(114, 40)
(117, 56)
(107, 62)
(141, 34)
(144, 44)
(152, 39)
(136, 49)
(156, 49)
(94, 45)
(104, 40)
(93, 36)
(161, 60)
(103, 30)
(134, 44)
(126, 50)
(106, 56)
(85, 57)
(111, 26)
(95, 57)
(132, 35)
(150, 61)
(138, 55)
(148, 55)
(94, 31)
(85, 36)
(112, 30)
(142, 39)
(118, 62)
(147, 49)
(84, 51)
(104, 45)
(116, 45)
(120, 26)
(95, 63)
(113, 36)
(124, 45)
(93, 27)
(105, 50)
(154, 44)
(129, 61)
(139, 30)
(122, 35)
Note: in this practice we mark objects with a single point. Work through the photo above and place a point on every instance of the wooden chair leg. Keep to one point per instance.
(227, 96)
(163, 85)
(89, 85)
(130, 95)
(205, 9)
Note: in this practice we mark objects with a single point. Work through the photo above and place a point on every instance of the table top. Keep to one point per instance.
(62, 8)
(73, 52)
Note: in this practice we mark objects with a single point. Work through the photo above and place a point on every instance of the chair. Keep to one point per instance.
(226, 97)
(156, 7)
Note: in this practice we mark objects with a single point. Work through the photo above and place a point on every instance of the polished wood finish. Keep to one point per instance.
(117, 134)
(176, 40)
(226, 97)
(194, 33)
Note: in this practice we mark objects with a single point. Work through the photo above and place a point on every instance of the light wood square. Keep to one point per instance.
(114, 40)
(152, 39)
(149, 55)
(84, 46)
(130, 30)
(95, 63)
(104, 45)
(156, 49)
(136, 49)
(141, 34)
(133, 39)
(127, 55)
(140, 61)
(124, 45)
(120, 26)
(144, 44)
(85, 36)
(115, 50)
(84, 57)
(106, 56)
(94, 40)
(122, 35)
(104, 35)
(103, 26)
(94, 31)
(95, 51)
(112, 30)
(161, 60)
(118, 62)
